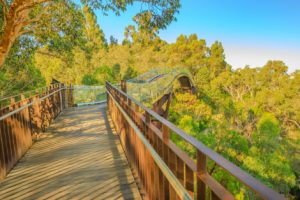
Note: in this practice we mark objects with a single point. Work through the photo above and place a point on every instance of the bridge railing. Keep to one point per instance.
(85, 95)
(23, 117)
(151, 86)
(165, 171)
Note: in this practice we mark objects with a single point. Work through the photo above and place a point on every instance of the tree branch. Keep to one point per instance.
(25, 32)
(28, 22)
(25, 23)
(213, 169)
(4, 10)
(294, 122)
(31, 5)
(51, 55)
(4, 5)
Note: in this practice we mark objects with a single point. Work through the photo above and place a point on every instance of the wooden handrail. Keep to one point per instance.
(180, 190)
(27, 92)
(29, 104)
(22, 121)
(204, 152)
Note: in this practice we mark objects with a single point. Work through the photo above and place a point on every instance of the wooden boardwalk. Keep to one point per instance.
(79, 157)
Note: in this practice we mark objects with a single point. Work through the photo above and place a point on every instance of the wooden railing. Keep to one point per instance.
(23, 117)
(164, 170)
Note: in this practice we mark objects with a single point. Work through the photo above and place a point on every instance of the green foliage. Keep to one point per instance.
(116, 72)
(267, 134)
(129, 73)
(93, 34)
(89, 80)
(59, 26)
(217, 58)
(113, 40)
(19, 72)
(247, 122)
(162, 12)
(68, 42)
(90, 94)
(103, 74)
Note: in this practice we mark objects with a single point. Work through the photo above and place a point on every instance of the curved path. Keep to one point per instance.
(79, 157)
(151, 86)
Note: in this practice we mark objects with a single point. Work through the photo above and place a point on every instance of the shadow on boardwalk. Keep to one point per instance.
(79, 157)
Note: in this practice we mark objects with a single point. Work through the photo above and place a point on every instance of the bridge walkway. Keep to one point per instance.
(79, 157)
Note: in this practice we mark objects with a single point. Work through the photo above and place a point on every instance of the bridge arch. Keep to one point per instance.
(186, 83)
(156, 87)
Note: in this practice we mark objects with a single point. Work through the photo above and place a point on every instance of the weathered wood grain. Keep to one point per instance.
(79, 157)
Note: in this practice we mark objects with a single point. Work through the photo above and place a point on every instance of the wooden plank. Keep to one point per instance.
(6, 142)
(180, 169)
(78, 157)
(2, 150)
(189, 179)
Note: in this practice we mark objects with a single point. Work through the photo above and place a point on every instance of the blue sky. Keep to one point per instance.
(252, 31)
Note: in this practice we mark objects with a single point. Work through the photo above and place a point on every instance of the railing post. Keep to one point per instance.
(180, 169)
(13, 134)
(2, 148)
(136, 112)
(107, 95)
(60, 97)
(72, 95)
(147, 117)
(36, 118)
(25, 114)
(165, 131)
(67, 91)
(165, 149)
(188, 181)
(123, 86)
(201, 169)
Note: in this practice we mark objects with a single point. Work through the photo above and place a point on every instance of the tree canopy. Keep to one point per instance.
(52, 22)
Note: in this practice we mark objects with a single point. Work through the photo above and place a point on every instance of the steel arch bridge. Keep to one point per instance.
(155, 87)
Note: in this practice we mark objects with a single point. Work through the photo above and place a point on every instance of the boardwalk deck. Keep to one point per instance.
(79, 157)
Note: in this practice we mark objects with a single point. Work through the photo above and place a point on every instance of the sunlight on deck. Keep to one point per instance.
(79, 157)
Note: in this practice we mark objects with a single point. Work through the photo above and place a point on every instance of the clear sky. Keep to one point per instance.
(252, 31)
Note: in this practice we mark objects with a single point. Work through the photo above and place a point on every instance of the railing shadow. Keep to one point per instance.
(76, 158)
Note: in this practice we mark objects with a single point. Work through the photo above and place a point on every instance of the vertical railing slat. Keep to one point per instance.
(201, 168)
(20, 128)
